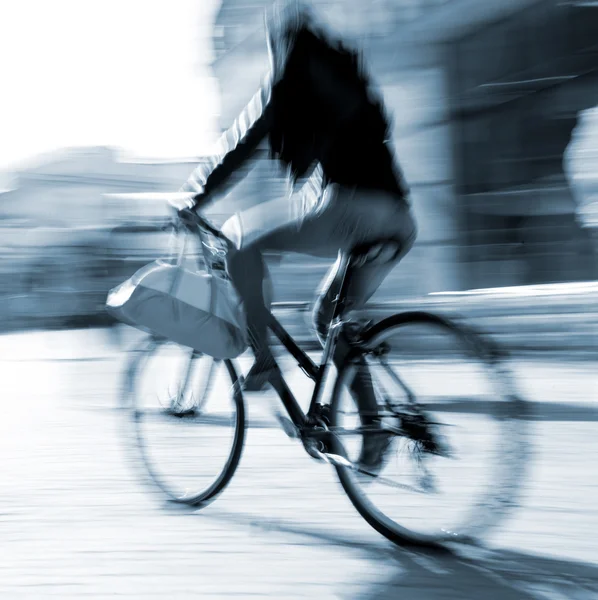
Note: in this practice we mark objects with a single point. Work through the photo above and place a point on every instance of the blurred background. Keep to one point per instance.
(103, 102)
(494, 120)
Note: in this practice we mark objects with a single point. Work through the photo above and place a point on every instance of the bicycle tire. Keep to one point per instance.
(134, 371)
(513, 471)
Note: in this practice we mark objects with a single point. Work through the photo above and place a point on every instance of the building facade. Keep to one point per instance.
(517, 84)
(73, 225)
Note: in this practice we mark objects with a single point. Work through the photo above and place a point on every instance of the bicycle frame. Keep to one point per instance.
(403, 419)
(315, 372)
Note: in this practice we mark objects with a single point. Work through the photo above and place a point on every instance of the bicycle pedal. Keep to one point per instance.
(181, 414)
(336, 460)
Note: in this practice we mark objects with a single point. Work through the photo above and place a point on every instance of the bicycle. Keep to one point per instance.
(331, 433)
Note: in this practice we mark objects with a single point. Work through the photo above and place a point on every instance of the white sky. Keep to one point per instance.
(127, 73)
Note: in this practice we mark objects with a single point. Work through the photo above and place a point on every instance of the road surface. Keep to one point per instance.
(77, 522)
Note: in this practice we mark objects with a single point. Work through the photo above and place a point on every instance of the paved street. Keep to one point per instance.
(77, 521)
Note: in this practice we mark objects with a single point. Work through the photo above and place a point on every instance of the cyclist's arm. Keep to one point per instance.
(235, 147)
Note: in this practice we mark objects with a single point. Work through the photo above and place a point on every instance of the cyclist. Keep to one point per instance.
(322, 121)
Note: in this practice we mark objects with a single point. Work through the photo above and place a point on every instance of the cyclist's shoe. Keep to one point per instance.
(259, 376)
(374, 452)
(418, 428)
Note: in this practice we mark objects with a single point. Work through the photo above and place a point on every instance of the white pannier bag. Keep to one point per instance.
(196, 309)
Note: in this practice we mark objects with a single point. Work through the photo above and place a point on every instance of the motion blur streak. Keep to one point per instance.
(496, 128)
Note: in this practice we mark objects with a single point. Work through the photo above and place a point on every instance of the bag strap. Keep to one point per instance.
(204, 244)
(178, 248)
(182, 238)
(182, 248)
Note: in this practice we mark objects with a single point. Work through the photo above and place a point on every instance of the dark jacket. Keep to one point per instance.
(333, 115)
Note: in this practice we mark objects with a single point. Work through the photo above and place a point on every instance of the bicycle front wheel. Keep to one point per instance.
(188, 421)
(439, 455)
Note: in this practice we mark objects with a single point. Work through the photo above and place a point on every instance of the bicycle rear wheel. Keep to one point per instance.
(188, 421)
(449, 429)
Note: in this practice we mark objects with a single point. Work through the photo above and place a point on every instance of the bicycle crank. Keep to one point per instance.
(340, 461)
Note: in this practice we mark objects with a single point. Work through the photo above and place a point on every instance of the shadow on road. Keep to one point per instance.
(442, 574)
(534, 410)
(503, 575)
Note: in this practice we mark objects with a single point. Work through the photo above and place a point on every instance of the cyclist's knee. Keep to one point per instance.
(233, 231)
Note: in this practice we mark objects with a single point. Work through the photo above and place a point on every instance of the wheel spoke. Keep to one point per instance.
(442, 435)
(189, 441)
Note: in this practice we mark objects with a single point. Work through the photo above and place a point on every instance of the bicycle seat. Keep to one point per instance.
(376, 252)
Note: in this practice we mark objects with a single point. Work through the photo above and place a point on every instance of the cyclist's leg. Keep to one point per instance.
(340, 219)
(279, 225)
(364, 281)
(375, 216)
(249, 274)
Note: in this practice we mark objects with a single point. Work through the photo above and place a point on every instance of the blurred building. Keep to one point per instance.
(72, 228)
(65, 188)
(485, 96)
(76, 222)
(517, 85)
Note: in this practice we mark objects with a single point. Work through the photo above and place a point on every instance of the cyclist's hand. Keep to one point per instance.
(186, 216)
(183, 206)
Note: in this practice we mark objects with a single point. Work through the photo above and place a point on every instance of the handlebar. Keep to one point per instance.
(183, 204)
